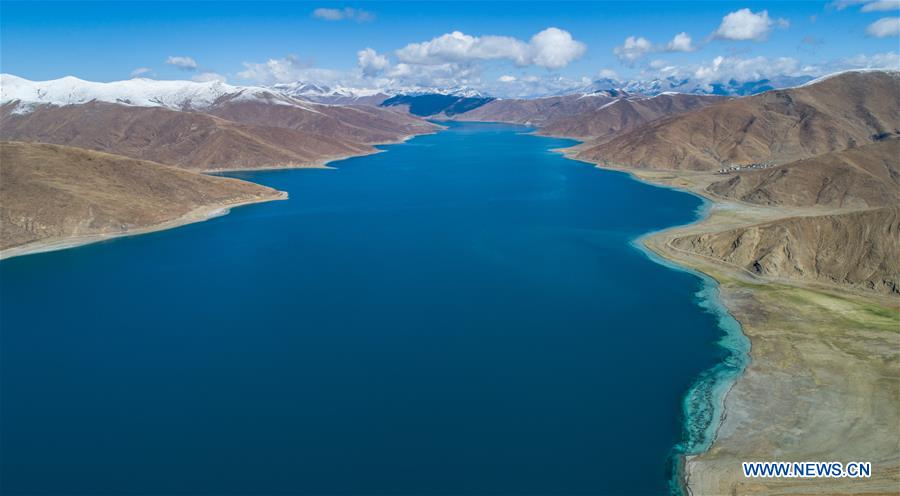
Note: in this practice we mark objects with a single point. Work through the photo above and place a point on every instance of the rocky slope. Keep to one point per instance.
(49, 192)
(864, 177)
(355, 125)
(195, 125)
(856, 249)
(831, 114)
(188, 139)
(538, 111)
(598, 125)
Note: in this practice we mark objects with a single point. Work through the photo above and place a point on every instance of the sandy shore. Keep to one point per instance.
(197, 215)
(822, 383)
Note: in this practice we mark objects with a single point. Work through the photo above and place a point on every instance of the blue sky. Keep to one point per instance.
(265, 43)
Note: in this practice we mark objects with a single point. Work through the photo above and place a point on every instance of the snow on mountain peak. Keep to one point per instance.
(139, 92)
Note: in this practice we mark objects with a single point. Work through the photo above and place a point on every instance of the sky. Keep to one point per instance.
(502, 48)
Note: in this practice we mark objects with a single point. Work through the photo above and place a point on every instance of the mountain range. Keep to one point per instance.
(206, 126)
(827, 146)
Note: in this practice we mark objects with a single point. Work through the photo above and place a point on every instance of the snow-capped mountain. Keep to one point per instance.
(331, 94)
(139, 92)
(732, 87)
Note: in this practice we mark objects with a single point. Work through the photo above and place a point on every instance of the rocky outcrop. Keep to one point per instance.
(860, 250)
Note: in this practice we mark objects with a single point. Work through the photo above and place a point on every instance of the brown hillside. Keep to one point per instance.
(535, 112)
(601, 124)
(864, 177)
(352, 124)
(857, 249)
(781, 126)
(51, 191)
(187, 139)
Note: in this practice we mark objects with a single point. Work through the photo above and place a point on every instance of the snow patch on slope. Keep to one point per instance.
(138, 92)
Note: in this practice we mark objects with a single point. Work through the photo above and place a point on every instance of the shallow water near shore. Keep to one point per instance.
(463, 314)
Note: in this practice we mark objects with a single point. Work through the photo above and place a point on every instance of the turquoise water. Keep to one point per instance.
(462, 314)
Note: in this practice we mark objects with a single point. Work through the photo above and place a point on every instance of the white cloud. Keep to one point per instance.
(209, 76)
(287, 70)
(555, 48)
(608, 74)
(371, 63)
(633, 49)
(531, 86)
(183, 63)
(740, 69)
(141, 71)
(447, 75)
(682, 42)
(867, 5)
(887, 60)
(745, 25)
(506, 79)
(358, 15)
(884, 27)
(636, 47)
(460, 47)
(552, 48)
(843, 4)
(881, 6)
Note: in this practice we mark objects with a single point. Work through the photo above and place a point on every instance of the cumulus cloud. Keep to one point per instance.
(741, 69)
(552, 48)
(371, 63)
(286, 70)
(682, 42)
(881, 6)
(867, 5)
(745, 25)
(141, 72)
(183, 63)
(555, 48)
(633, 49)
(447, 75)
(607, 74)
(209, 76)
(884, 27)
(886, 60)
(532, 85)
(347, 13)
(636, 47)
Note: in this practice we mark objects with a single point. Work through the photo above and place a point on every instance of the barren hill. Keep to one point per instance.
(187, 139)
(355, 125)
(858, 249)
(831, 114)
(623, 114)
(867, 176)
(208, 125)
(538, 111)
(50, 191)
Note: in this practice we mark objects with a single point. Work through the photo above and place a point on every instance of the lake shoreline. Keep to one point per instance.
(199, 214)
(565, 218)
(761, 411)
(706, 397)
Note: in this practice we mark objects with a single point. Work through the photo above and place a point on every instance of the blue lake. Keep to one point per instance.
(461, 314)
